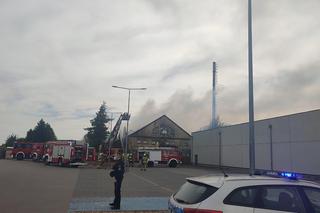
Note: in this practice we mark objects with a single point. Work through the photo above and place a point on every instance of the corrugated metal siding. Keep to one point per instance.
(296, 144)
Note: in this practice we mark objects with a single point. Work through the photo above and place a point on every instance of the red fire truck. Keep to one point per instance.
(91, 154)
(37, 151)
(26, 150)
(69, 152)
(170, 156)
(65, 153)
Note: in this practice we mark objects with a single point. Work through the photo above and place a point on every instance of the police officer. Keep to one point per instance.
(117, 172)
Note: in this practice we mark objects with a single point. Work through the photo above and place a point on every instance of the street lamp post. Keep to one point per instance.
(127, 132)
(251, 100)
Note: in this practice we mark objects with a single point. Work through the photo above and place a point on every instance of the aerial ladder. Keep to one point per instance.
(112, 138)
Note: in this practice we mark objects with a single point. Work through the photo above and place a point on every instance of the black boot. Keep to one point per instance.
(115, 207)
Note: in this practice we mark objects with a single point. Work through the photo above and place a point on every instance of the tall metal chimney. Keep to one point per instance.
(214, 116)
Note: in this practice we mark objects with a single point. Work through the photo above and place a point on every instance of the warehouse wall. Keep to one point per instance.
(295, 144)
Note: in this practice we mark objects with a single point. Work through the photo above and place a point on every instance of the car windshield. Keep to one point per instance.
(194, 192)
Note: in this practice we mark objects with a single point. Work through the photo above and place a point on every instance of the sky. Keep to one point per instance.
(59, 60)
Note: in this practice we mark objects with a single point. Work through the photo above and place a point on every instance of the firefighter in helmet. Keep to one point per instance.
(124, 157)
(145, 160)
(130, 159)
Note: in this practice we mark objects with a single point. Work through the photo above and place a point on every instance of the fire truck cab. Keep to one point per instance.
(21, 150)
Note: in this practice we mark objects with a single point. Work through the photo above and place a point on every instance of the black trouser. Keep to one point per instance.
(117, 193)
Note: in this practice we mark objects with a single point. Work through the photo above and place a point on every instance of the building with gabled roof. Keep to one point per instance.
(162, 132)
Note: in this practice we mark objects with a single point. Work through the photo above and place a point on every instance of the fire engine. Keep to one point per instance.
(91, 154)
(37, 151)
(21, 150)
(170, 156)
(64, 153)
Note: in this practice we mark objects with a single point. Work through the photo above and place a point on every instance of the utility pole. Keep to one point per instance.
(251, 100)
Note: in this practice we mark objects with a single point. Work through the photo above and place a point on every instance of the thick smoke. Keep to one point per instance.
(188, 112)
(290, 91)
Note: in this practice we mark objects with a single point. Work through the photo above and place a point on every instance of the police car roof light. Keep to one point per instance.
(289, 175)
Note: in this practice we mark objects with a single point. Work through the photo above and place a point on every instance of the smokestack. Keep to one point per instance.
(214, 116)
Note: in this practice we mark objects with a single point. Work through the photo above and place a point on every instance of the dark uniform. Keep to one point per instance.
(117, 172)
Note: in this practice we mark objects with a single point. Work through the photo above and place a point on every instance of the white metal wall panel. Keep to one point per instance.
(262, 132)
(281, 129)
(233, 155)
(296, 144)
(209, 155)
(232, 135)
(263, 160)
(306, 157)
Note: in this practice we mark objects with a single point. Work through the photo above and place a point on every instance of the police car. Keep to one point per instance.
(246, 194)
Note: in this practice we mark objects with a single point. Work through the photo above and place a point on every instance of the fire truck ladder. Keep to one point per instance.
(113, 135)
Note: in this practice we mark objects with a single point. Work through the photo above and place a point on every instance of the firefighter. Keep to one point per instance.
(102, 158)
(125, 158)
(117, 172)
(145, 160)
(130, 159)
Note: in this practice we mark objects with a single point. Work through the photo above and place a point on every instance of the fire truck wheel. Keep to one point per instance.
(173, 164)
(45, 160)
(34, 157)
(20, 156)
(60, 162)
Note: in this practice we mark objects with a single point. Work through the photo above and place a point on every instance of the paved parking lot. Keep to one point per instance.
(26, 186)
(141, 190)
(136, 183)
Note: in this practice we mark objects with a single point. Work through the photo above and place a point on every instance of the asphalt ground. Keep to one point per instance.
(26, 186)
(156, 182)
(141, 190)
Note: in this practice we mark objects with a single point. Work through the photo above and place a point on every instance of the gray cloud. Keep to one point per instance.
(45, 110)
(290, 91)
(187, 67)
(59, 59)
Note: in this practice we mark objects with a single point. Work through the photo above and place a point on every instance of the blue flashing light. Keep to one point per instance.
(289, 175)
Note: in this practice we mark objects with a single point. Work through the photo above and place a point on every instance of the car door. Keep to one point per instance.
(241, 200)
(279, 199)
(313, 199)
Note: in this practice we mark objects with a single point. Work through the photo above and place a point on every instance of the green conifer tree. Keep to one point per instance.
(98, 132)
